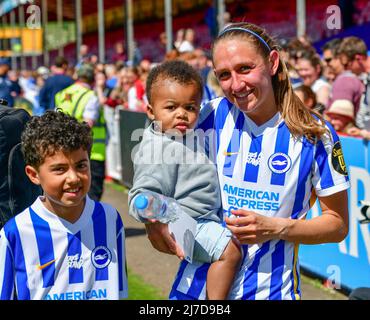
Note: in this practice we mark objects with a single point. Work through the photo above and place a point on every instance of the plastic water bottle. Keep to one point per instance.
(152, 205)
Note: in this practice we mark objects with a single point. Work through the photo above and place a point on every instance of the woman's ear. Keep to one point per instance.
(32, 174)
(149, 112)
(274, 62)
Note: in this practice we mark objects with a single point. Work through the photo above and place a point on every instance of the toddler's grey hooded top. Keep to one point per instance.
(177, 168)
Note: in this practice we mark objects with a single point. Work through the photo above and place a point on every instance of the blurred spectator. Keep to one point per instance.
(172, 55)
(111, 74)
(119, 53)
(136, 92)
(43, 71)
(84, 55)
(57, 82)
(93, 59)
(308, 97)
(341, 116)
(310, 70)
(100, 67)
(138, 56)
(294, 50)
(119, 95)
(188, 43)
(110, 116)
(8, 89)
(332, 65)
(352, 53)
(163, 45)
(347, 87)
(202, 63)
(144, 69)
(179, 38)
(306, 41)
(31, 86)
(101, 89)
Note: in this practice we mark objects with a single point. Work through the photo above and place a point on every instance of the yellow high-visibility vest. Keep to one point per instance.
(72, 100)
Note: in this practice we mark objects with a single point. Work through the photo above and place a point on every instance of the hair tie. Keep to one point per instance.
(248, 31)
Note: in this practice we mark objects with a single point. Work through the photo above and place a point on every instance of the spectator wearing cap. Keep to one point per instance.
(341, 116)
(8, 89)
(80, 101)
(53, 84)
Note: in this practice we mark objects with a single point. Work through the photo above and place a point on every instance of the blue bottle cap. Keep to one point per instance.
(141, 201)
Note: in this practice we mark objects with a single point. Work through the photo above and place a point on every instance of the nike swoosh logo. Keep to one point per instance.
(43, 266)
(229, 153)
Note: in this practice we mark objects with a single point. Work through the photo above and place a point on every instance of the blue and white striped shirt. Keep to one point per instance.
(265, 170)
(43, 256)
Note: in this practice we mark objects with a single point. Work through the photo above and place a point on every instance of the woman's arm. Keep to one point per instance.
(332, 226)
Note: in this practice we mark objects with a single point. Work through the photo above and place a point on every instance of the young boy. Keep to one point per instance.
(64, 246)
(179, 168)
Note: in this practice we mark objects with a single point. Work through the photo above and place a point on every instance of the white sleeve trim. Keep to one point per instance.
(332, 190)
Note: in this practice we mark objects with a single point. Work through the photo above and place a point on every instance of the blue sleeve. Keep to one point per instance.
(121, 254)
(329, 172)
(7, 276)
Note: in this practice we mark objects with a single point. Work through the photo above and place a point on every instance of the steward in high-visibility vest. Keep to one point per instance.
(81, 102)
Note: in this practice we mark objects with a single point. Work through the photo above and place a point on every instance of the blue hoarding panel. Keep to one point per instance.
(347, 263)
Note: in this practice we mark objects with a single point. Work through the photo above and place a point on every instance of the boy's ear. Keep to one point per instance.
(32, 174)
(149, 112)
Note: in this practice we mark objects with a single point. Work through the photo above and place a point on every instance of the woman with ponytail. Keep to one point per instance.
(273, 155)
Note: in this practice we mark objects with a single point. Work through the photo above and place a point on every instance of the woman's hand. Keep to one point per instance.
(162, 240)
(331, 226)
(251, 228)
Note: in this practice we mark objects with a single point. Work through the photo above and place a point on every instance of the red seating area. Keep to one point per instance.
(278, 17)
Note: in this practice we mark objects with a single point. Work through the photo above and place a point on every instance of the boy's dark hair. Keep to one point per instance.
(53, 131)
(176, 70)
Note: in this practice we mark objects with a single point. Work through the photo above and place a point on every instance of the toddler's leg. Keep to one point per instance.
(221, 273)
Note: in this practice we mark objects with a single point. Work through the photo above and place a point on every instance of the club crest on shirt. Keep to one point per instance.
(337, 159)
(101, 257)
(279, 162)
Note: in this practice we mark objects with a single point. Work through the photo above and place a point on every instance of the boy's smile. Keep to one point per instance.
(65, 178)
